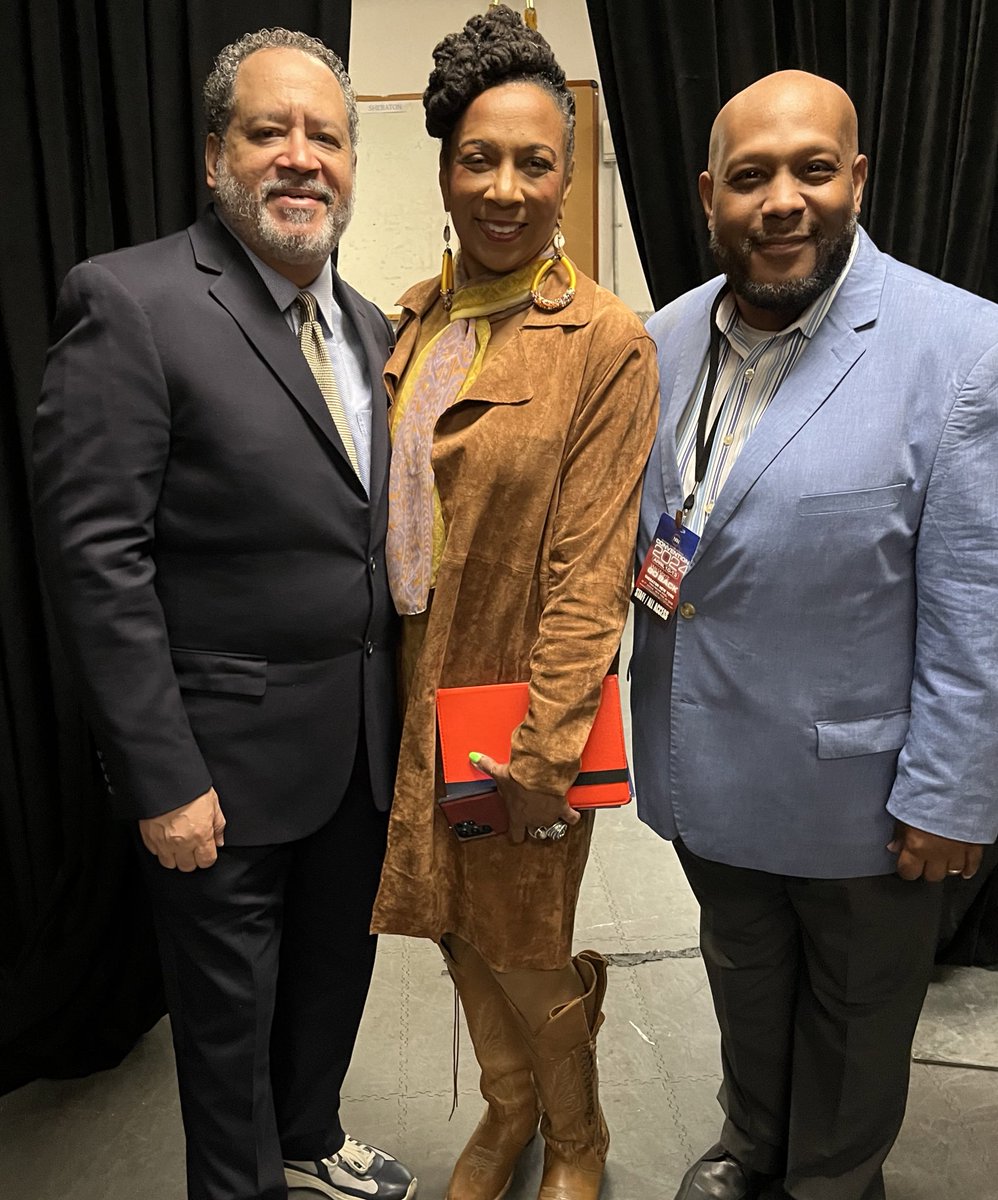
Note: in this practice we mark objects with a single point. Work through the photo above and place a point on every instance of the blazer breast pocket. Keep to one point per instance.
(208, 671)
(865, 735)
(888, 496)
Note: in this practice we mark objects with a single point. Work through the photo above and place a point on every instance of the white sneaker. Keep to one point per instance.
(357, 1172)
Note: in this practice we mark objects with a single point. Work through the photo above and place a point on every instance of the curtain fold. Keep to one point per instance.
(920, 73)
(102, 103)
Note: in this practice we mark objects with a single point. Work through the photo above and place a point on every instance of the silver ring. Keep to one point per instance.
(553, 833)
(956, 872)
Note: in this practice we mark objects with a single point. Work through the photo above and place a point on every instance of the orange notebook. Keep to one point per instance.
(483, 719)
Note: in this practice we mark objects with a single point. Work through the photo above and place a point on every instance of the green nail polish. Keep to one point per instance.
(474, 756)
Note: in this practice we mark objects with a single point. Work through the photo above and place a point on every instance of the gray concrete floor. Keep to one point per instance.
(116, 1135)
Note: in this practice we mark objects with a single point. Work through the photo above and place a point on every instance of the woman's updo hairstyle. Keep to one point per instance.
(493, 48)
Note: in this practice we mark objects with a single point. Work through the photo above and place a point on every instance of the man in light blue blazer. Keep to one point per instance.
(816, 724)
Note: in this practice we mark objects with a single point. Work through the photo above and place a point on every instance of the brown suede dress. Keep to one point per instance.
(538, 469)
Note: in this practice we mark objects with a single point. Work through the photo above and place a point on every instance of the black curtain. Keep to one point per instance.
(102, 118)
(922, 74)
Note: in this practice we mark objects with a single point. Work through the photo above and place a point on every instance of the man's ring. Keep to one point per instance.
(956, 872)
(553, 833)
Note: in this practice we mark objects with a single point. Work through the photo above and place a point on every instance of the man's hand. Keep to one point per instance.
(527, 809)
(186, 837)
(929, 856)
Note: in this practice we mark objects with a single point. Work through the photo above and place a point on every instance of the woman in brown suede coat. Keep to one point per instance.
(522, 415)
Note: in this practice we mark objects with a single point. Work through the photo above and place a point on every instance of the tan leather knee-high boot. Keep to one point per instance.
(485, 1168)
(563, 1054)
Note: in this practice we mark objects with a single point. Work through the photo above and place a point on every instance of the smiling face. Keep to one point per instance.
(504, 176)
(782, 193)
(283, 176)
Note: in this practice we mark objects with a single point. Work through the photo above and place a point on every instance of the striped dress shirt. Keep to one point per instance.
(752, 364)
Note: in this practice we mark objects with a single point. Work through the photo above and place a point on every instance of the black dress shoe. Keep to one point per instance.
(718, 1175)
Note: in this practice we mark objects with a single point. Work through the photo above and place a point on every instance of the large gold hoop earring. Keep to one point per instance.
(566, 298)
(447, 269)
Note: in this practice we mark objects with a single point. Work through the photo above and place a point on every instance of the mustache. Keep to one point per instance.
(301, 186)
(777, 235)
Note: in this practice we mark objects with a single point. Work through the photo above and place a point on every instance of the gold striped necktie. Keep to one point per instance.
(313, 346)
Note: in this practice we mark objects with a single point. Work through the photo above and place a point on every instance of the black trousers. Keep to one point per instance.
(267, 958)
(817, 986)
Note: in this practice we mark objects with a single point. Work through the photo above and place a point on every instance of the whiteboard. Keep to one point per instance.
(395, 238)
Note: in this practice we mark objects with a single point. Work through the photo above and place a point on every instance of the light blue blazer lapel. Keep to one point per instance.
(821, 368)
(680, 362)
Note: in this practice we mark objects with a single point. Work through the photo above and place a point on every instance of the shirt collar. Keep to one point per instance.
(728, 316)
(283, 290)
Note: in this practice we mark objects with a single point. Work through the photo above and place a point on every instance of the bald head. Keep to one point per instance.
(794, 96)
(782, 192)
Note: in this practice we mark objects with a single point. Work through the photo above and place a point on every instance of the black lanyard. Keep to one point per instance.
(705, 441)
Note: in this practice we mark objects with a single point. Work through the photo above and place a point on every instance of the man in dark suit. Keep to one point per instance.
(211, 458)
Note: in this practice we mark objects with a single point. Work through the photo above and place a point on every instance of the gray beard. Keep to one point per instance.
(250, 218)
(791, 296)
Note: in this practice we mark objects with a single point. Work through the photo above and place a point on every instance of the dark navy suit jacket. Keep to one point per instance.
(216, 570)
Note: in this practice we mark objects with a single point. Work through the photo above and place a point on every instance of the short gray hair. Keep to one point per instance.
(220, 86)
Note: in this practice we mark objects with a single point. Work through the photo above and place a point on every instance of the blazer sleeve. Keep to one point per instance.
(947, 776)
(585, 598)
(102, 442)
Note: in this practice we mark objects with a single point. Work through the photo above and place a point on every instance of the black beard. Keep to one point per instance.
(791, 296)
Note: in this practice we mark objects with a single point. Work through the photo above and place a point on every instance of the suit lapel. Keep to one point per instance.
(243, 294)
(679, 374)
(822, 366)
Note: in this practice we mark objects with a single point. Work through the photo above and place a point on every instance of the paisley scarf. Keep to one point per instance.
(440, 375)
